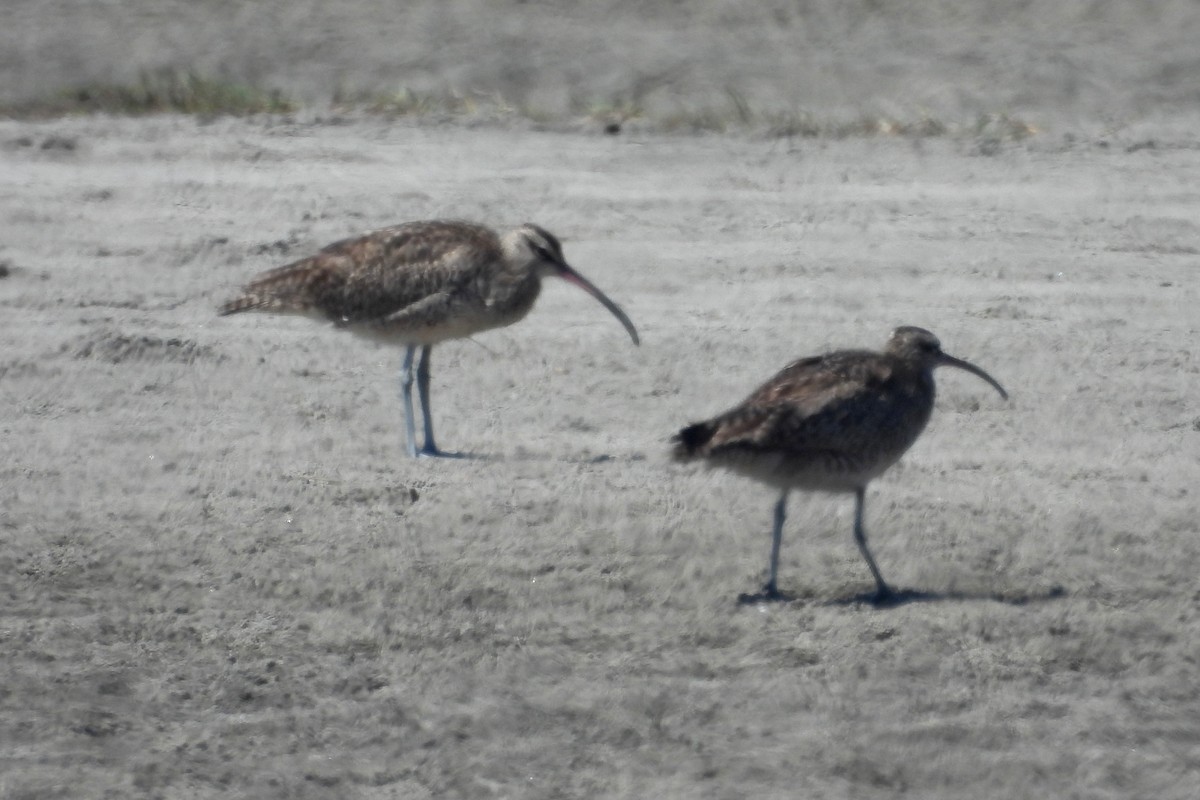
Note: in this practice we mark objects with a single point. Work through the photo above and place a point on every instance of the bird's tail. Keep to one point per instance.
(245, 302)
(285, 289)
(689, 442)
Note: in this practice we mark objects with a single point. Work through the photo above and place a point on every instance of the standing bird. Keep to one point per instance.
(418, 284)
(828, 423)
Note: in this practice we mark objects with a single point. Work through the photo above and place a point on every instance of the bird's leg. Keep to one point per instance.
(883, 592)
(406, 382)
(771, 590)
(423, 388)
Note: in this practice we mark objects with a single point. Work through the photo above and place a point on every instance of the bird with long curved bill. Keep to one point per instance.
(418, 284)
(828, 423)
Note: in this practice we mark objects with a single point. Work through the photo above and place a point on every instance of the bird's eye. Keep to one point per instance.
(543, 253)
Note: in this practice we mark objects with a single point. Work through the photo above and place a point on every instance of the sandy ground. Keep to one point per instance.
(220, 577)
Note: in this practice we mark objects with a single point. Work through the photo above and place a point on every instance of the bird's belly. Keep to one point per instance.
(458, 327)
(820, 472)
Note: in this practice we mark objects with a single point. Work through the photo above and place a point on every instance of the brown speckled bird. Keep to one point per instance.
(418, 284)
(828, 423)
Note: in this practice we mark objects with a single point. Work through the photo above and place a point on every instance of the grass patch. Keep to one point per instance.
(172, 91)
(157, 92)
(805, 124)
(740, 115)
(449, 104)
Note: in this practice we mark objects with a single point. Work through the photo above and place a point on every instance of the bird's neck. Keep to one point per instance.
(916, 381)
(514, 292)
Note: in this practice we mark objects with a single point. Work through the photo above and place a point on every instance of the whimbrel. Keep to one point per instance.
(828, 423)
(418, 284)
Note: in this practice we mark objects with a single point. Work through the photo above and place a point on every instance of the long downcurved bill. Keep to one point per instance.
(571, 276)
(951, 361)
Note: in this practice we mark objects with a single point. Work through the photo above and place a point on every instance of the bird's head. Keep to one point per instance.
(538, 250)
(920, 347)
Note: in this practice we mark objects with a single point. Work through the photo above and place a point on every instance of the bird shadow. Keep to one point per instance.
(445, 455)
(903, 597)
(767, 597)
(524, 455)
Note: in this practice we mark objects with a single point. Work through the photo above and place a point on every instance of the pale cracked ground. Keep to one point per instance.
(220, 577)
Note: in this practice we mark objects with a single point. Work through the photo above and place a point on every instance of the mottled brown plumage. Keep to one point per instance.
(828, 423)
(417, 284)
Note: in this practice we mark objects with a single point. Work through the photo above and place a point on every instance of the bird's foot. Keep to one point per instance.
(433, 452)
(769, 594)
(886, 596)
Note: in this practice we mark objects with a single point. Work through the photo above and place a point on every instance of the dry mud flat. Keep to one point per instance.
(220, 577)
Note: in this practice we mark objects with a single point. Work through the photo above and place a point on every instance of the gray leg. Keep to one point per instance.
(430, 448)
(406, 382)
(883, 591)
(771, 590)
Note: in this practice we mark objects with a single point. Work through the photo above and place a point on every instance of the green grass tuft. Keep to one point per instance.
(406, 102)
(181, 92)
(157, 92)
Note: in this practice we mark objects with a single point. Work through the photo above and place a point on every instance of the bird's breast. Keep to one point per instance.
(508, 297)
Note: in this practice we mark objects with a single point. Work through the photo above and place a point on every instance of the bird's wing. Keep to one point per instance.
(378, 276)
(813, 384)
(810, 406)
(429, 310)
